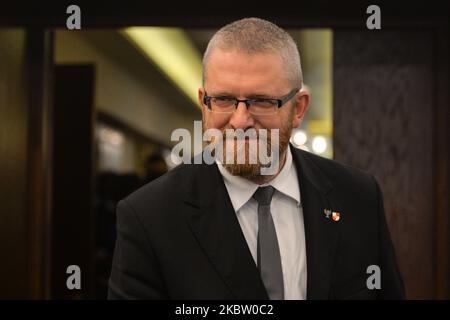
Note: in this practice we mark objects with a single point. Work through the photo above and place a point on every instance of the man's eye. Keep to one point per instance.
(263, 102)
(259, 100)
(223, 101)
(229, 99)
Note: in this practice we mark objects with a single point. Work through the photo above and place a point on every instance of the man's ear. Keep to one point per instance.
(301, 106)
(201, 93)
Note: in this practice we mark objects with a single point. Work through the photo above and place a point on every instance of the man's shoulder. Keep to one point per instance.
(165, 190)
(339, 174)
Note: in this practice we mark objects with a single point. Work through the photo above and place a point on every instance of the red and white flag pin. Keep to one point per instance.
(335, 216)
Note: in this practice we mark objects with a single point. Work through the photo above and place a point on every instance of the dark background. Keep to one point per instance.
(390, 117)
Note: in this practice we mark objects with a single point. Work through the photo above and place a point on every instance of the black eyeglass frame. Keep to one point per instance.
(280, 101)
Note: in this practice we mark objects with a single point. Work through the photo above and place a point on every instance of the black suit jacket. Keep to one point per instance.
(179, 237)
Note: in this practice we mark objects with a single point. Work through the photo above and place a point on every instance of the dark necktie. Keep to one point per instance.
(268, 252)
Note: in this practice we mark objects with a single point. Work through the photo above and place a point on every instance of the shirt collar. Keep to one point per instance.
(241, 190)
(286, 181)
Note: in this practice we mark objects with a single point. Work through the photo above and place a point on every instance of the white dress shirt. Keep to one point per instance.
(287, 215)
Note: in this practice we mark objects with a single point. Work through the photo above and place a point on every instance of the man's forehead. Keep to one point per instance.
(220, 54)
(235, 72)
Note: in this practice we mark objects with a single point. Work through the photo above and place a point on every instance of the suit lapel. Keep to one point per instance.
(321, 233)
(215, 225)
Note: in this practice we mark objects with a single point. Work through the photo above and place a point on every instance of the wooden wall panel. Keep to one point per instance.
(442, 166)
(25, 113)
(40, 60)
(13, 163)
(383, 123)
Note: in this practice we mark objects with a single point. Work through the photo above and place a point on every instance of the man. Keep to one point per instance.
(310, 230)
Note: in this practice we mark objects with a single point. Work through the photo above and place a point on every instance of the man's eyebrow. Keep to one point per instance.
(250, 96)
(260, 95)
(221, 94)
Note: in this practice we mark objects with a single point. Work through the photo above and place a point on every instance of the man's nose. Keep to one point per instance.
(241, 118)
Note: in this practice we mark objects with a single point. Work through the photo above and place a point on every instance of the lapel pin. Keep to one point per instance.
(335, 216)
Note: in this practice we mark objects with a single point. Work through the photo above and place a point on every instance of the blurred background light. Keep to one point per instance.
(172, 51)
(299, 137)
(319, 144)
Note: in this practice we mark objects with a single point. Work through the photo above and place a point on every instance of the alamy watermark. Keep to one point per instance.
(231, 146)
(374, 20)
(374, 280)
(73, 21)
(74, 279)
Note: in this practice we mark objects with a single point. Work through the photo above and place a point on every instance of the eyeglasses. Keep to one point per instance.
(256, 106)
